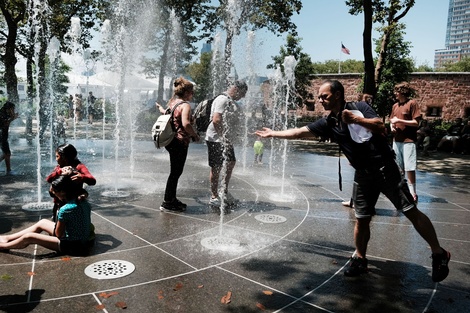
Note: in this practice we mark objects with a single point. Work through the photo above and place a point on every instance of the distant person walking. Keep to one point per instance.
(178, 147)
(91, 107)
(7, 115)
(77, 107)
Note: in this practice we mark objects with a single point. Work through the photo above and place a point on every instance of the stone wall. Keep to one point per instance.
(441, 95)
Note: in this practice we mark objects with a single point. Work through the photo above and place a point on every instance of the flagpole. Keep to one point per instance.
(339, 63)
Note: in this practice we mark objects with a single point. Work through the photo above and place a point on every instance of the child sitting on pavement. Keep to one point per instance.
(69, 235)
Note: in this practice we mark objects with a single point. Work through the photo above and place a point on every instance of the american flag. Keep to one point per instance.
(344, 49)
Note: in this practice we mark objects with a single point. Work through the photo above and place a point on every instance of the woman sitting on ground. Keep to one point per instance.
(69, 235)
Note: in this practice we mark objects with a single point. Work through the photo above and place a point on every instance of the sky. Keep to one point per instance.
(324, 24)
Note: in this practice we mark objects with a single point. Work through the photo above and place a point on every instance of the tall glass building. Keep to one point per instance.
(457, 44)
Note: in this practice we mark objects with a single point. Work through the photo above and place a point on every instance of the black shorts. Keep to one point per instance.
(218, 152)
(5, 147)
(368, 184)
(76, 247)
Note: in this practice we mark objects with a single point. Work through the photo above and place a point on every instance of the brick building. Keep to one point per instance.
(441, 95)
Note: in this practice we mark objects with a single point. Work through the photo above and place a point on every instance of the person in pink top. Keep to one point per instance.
(66, 156)
(404, 122)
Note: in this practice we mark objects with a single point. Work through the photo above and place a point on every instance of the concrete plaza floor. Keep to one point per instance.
(282, 249)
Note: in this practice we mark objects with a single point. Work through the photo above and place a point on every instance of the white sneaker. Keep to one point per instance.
(214, 201)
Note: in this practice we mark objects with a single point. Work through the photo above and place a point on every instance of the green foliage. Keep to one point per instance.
(388, 14)
(302, 70)
(332, 67)
(172, 44)
(422, 68)
(200, 73)
(396, 68)
(273, 15)
(460, 66)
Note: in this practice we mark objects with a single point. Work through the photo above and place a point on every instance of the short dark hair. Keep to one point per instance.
(241, 85)
(335, 86)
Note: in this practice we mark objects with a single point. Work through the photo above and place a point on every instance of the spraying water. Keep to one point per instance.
(74, 33)
(40, 29)
(249, 98)
(53, 53)
(289, 66)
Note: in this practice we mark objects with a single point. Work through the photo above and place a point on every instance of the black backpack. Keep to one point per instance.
(202, 115)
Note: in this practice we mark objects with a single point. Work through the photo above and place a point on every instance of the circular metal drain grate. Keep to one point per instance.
(270, 218)
(115, 194)
(38, 206)
(109, 269)
(221, 243)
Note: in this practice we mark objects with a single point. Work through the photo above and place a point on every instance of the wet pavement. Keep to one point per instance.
(283, 248)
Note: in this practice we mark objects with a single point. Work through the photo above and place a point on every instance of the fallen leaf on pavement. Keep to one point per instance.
(99, 307)
(6, 277)
(260, 306)
(268, 292)
(227, 298)
(109, 294)
(160, 294)
(178, 286)
(31, 273)
(200, 286)
(121, 305)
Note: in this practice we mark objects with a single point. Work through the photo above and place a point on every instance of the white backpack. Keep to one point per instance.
(163, 131)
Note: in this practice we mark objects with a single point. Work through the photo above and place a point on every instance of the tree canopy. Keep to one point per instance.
(388, 14)
(303, 69)
(273, 15)
(397, 67)
(460, 66)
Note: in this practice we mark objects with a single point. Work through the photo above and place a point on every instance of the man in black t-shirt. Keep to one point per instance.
(361, 136)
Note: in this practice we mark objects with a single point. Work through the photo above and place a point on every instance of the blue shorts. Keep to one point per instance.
(386, 179)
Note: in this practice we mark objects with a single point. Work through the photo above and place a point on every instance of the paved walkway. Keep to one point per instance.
(283, 249)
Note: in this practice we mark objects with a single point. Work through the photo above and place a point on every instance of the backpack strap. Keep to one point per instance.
(347, 106)
(173, 110)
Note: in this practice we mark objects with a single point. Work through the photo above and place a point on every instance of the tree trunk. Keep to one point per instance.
(369, 79)
(31, 95)
(9, 60)
(163, 67)
(382, 57)
(42, 88)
